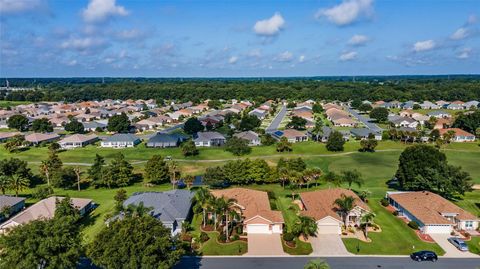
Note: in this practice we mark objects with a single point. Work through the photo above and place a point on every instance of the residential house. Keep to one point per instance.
(120, 141)
(4, 136)
(77, 141)
(344, 122)
(10, 204)
(433, 213)
(365, 133)
(429, 105)
(420, 118)
(326, 132)
(172, 208)
(439, 114)
(404, 122)
(162, 140)
(37, 138)
(259, 113)
(455, 106)
(470, 104)
(44, 209)
(254, 208)
(442, 104)
(459, 136)
(292, 135)
(443, 123)
(93, 126)
(252, 137)
(320, 205)
(209, 139)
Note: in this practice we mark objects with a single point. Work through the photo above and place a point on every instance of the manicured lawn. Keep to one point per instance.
(301, 248)
(212, 247)
(4, 104)
(396, 237)
(474, 245)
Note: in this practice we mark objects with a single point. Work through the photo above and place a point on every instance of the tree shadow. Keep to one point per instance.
(189, 262)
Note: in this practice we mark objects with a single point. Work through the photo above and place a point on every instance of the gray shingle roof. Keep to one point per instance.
(8, 201)
(122, 138)
(166, 206)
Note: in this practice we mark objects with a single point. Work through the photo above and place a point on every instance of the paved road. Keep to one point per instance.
(372, 126)
(278, 119)
(335, 262)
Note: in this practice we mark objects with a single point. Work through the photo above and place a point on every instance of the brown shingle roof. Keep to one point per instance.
(320, 204)
(427, 207)
(255, 203)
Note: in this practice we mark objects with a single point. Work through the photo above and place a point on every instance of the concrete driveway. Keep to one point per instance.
(264, 245)
(328, 245)
(451, 250)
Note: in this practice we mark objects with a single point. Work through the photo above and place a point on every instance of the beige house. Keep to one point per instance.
(77, 141)
(320, 205)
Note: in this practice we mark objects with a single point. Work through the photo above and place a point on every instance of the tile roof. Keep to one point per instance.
(39, 137)
(458, 132)
(320, 204)
(254, 203)
(427, 207)
(78, 138)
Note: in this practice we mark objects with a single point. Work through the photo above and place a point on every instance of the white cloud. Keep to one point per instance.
(358, 40)
(301, 59)
(271, 26)
(100, 10)
(285, 56)
(81, 43)
(346, 12)
(464, 53)
(472, 19)
(424, 45)
(233, 60)
(255, 53)
(18, 6)
(129, 34)
(461, 33)
(348, 56)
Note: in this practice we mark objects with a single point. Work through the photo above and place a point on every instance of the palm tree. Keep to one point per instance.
(317, 264)
(225, 206)
(45, 169)
(19, 183)
(78, 173)
(310, 175)
(345, 205)
(366, 220)
(308, 226)
(189, 180)
(4, 183)
(173, 169)
(203, 199)
(352, 176)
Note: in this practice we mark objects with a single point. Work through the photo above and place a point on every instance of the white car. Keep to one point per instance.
(458, 243)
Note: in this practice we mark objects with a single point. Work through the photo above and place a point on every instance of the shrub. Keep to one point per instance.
(222, 238)
(204, 237)
(288, 237)
(240, 229)
(414, 225)
(467, 234)
(235, 237)
(384, 202)
(42, 192)
(395, 213)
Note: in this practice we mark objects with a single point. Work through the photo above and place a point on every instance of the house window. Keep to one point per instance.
(469, 224)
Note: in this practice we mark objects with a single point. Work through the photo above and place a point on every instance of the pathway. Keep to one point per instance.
(278, 119)
(370, 125)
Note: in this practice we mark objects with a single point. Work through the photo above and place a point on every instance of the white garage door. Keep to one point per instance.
(328, 229)
(437, 229)
(258, 229)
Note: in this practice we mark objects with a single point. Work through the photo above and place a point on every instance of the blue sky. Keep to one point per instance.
(42, 38)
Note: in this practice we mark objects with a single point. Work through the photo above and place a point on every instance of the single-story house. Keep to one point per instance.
(209, 139)
(77, 141)
(292, 135)
(162, 140)
(404, 122)
(94, 126)
(44, 209)
(259, 113)
(326, 132)
(120, 141)
(344, 122)
(37, 138)
(439, 114)
(460, 135)
(7, 135)
(471, 104)
(433, 213)
(455, 106)
(12, 204)
(365, 133)
(320, 205)
(252, 137)
(254, 208)
(170, 207)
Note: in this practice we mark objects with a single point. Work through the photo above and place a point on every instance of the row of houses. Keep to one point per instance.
(338, 116)
(455, 105)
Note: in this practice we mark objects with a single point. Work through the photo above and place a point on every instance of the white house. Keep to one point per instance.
(120, 141)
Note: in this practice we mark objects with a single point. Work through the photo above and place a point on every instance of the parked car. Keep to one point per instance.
(458, 243)
(424, 255)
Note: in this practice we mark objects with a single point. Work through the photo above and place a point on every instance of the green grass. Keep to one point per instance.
(396, 238)
(474, 245)
(5, 104)
(301, 248)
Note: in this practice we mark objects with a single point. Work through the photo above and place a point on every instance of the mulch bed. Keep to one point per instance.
(207, 228)
(424, 237)
(390, 208)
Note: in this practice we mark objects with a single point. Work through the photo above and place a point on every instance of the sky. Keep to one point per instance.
(243, 38)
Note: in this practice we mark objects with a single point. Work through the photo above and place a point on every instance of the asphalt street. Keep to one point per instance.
(372, 126)
(278, 119)
(334, 262)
